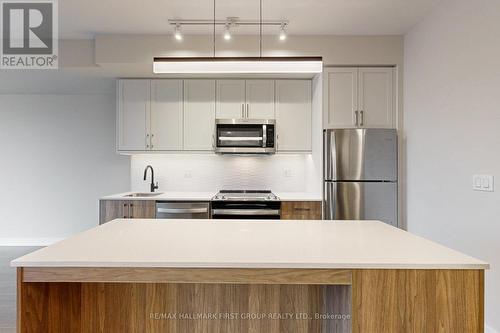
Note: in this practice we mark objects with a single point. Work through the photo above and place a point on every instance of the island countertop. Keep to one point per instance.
(248, 244)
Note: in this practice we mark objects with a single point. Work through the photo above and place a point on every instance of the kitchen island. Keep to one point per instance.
(249, 276)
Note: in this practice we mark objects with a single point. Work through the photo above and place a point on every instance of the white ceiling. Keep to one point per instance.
(84, 19)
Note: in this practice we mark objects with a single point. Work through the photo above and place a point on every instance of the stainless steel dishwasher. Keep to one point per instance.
(182, 210)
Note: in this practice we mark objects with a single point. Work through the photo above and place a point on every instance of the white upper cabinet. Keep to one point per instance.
(359, 97)
(133, 114)
(293, 115)
(199, 114)
(376, 97)
(230, 99)
(341, 97)
(163, 115)
(245, 99)
(259, 99)
(166, 115)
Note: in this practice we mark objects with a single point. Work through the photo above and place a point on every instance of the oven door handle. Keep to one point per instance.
(245, 212)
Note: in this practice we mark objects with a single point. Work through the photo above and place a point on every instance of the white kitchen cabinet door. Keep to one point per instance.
(166, 115)
(293, 115)
(376, 98)
(199, 114)
(341, 97)
(230, 99)
(133, 114)
(259, 99)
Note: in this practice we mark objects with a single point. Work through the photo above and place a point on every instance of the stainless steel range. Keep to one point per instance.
(246, 204)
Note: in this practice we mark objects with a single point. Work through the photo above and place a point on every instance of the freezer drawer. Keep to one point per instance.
(361, 201)
(360, 154)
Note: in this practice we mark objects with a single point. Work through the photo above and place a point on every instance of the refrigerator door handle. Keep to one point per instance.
(330, 199)
(330, 155)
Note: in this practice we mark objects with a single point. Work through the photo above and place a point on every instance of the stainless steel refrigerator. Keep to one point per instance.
(360, 174)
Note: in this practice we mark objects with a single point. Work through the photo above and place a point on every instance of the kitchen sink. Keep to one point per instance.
(142, 195)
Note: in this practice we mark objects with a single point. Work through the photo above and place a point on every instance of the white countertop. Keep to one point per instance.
(251, 244)
(299, 196)
(207, 196)
(164, 196)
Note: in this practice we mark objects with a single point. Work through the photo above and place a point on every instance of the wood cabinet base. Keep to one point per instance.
(377, 301)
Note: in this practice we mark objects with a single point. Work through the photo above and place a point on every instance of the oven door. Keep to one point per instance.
(246, 210)
(242, 136)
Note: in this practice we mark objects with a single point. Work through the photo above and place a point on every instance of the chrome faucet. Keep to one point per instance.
(153, 186)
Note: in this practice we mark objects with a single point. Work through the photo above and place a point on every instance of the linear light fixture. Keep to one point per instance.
(238, 65)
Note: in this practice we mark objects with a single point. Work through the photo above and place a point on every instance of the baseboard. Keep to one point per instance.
(28, 241)
(488, 329)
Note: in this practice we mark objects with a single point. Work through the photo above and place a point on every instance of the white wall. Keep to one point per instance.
(57, 158)
(452, 128)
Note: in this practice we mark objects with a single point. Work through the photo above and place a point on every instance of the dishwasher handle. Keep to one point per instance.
(182, 210)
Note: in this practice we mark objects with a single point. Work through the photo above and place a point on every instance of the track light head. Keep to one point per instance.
(177, 32)
(227, 32)
(283, 35)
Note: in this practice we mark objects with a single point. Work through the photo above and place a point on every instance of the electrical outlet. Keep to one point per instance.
(188, 174)
(483, 183)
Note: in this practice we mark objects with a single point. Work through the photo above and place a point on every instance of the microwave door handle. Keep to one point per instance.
(264, 136)
(240, 138)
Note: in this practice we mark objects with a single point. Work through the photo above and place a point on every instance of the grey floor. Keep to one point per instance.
(8, 286)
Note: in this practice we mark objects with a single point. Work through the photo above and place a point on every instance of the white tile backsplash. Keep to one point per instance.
(210, 172)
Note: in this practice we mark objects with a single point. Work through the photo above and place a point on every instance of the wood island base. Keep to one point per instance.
(274, 300)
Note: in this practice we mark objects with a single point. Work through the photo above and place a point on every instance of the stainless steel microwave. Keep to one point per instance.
(245, 136)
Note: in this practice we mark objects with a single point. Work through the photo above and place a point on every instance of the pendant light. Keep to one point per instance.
(238, 65)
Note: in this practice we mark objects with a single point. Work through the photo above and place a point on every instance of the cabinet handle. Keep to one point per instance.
(248, 110)
(147, 140)
(151, 140)
(356, 118)
(125, 215)
(302, 209)
(362, 118)
(242, 110)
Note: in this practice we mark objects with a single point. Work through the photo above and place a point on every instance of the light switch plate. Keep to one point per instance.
(483, 183)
